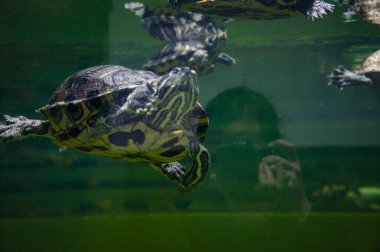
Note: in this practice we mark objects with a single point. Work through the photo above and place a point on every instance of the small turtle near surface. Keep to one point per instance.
(256, 9)
(367, 73)
(126, 114)
(193, 40)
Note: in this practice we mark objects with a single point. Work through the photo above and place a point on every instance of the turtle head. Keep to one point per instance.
(177, 93)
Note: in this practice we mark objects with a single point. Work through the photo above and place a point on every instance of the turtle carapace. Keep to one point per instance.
(126, 114)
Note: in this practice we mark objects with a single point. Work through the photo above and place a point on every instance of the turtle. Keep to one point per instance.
(193, 39)
(367, 73)
(256, 9)
(193, 54)
(132, 115)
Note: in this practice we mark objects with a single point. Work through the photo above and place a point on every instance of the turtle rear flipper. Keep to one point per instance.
(341, 77)
(19, 127)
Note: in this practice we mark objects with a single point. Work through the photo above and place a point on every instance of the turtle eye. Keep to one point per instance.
(209, 41)
(210, 28)
(176, 70)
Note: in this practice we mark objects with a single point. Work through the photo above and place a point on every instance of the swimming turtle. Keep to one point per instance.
(193, 39)
(126, 114)
(367, 73)
(256, 9)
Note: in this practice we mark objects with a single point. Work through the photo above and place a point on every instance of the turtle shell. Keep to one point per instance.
(83, 95)
(242, 9)
(245, 9)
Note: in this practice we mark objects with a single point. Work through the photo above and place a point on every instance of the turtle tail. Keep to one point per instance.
(20, 127)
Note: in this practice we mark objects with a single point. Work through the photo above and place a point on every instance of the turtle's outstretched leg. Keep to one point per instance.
(318, 9)
(341, 77)
(19, 127)
(135, 7)
(140, 101)
(187, 178)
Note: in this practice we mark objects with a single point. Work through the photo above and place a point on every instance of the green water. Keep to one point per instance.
(53, 200)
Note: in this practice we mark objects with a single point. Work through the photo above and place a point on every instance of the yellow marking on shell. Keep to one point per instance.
(176, 133)
(108, 73)
(151, 148)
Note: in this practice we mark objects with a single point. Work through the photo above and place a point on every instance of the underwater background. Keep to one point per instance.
(53, 199)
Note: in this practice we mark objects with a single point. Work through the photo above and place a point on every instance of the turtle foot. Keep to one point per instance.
(341, 77)
(174, 171)
(20, 126)
(135, 7)
(148, 109)
(318, 9)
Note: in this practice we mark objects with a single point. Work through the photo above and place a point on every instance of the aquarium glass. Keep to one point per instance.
(294, 162)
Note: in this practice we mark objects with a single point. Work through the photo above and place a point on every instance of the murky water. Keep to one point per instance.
(289, 154)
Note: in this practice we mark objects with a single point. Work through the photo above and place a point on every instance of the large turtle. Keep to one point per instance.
(367, 73)
(193, 40)
(126, 114)
(256, 9)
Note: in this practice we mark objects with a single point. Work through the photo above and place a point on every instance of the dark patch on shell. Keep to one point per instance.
(74, 132)
(84, 148)
(56, 114)
(63, 136)
(174, 151)
(130, 155)
(99, 147)
(94, 103)
(75, 111)
(170, 143)
(121, 138)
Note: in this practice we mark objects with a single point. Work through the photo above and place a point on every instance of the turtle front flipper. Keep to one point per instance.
(140, 101)
(187, 178)
(19, 127)
(318, 9)
(341, 77)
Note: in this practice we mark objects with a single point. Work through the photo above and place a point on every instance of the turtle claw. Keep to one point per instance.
(174, 171)
(149, 109)
(319, 9)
